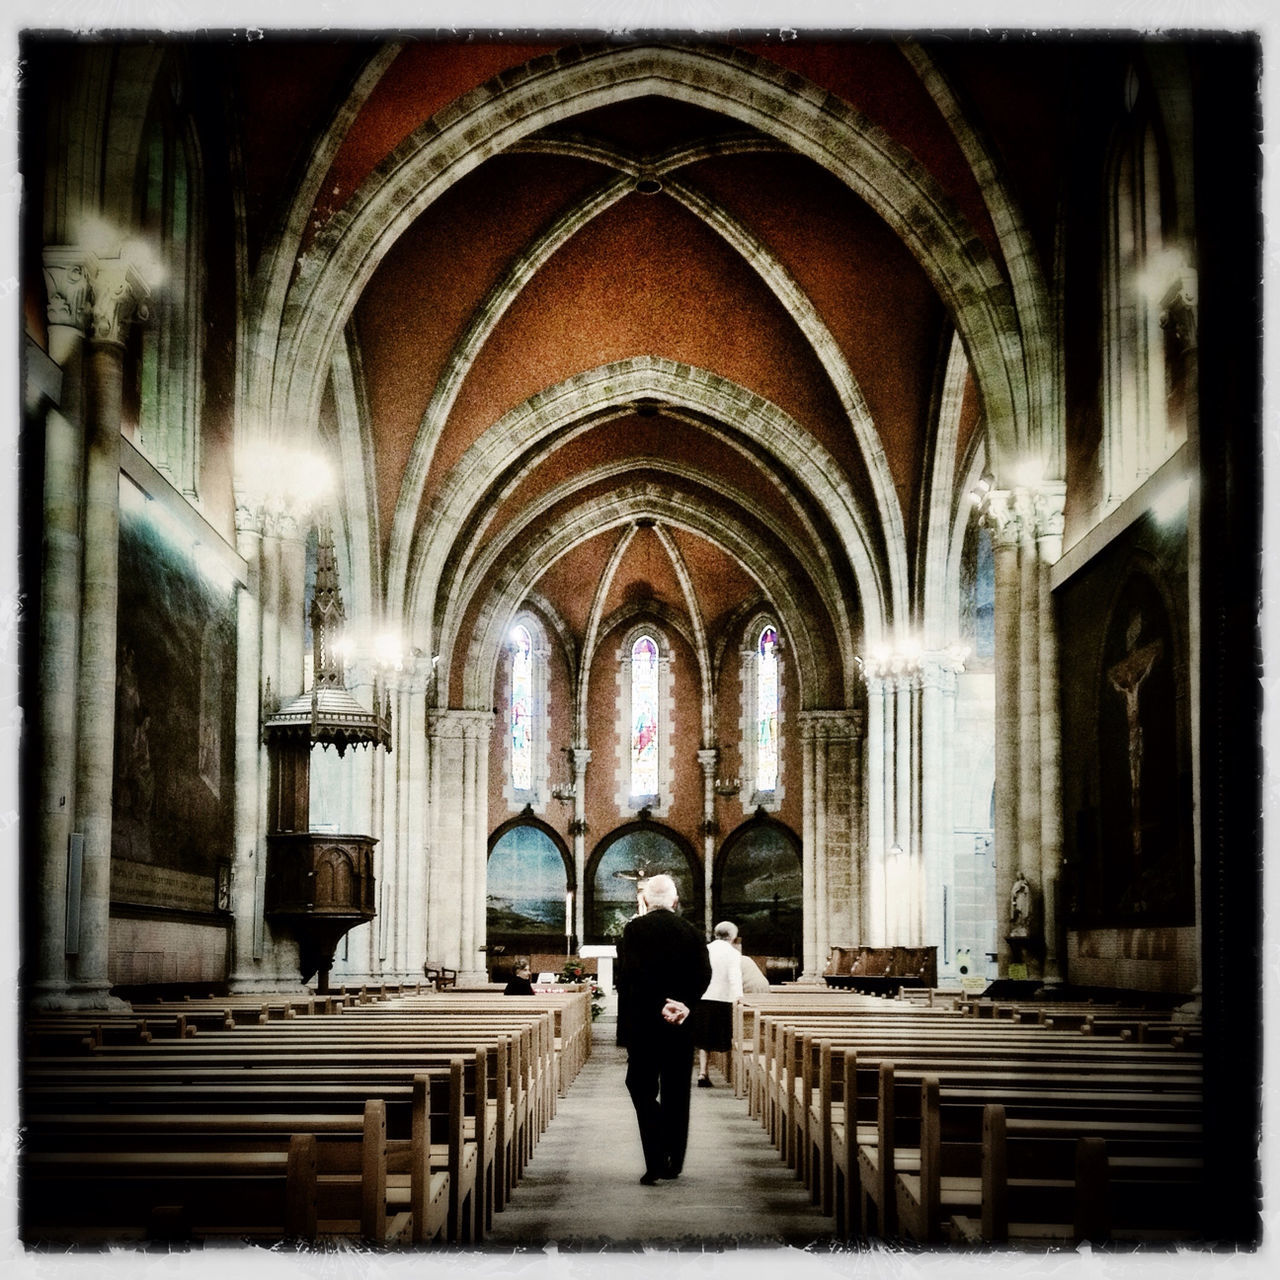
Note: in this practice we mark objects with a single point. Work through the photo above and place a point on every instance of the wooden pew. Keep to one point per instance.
(428, 1101)
(1041, 1183)
(796, 1076)
(898, 1146)
(351, 1157)
(851, 1084)
(99, 1196)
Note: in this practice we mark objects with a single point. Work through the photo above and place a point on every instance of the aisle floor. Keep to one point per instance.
(582, 1188)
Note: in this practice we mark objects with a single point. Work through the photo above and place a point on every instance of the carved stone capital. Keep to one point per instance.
(832, 726)
(1048, 502)
(248, 519)
(68, 276)
(119, 297)
(941, 669)
(454, 722)
(709, 759)
(1003, 518)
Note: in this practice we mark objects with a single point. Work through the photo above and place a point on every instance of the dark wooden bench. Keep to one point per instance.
(1099, 1181)
(425, 1099)
(967, 1165)
(352, 1163)
(100, 1196)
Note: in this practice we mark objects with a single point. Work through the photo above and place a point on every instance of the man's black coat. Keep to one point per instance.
(662, 957)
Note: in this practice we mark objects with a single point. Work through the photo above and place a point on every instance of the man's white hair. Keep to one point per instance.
(727, 930)
(661, 891)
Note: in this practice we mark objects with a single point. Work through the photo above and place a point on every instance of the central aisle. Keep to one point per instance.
(582, 1187)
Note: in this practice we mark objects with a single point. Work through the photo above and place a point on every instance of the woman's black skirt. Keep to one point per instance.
(713, 1026)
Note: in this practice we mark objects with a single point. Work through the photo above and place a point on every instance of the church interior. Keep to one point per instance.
(461, 477)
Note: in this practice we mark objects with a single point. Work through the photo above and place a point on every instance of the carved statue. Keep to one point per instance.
(1020, 906)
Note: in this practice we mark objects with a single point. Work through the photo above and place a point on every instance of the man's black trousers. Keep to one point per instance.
(658, 1076)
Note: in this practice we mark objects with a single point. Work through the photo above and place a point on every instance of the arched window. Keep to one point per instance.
(521, 709)
(526, 706)
(1144, 272)
(767, 710)
(163, 411)
(762, 715)
(644, 718)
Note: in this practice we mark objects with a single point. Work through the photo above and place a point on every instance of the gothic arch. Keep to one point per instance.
(641, 839)
(624, 506)
(779, 103)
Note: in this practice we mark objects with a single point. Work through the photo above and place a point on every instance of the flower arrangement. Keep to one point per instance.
(574, 974)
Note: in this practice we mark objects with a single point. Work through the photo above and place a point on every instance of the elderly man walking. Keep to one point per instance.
(663, 969)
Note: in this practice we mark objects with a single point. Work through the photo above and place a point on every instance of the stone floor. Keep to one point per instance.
(581, 1189)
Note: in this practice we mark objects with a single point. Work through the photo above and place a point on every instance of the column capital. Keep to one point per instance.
(248, 519)
(458, 722)
(941, 669)
(709, 759)
(1048, 503)
(68, 277)
(1004, 514)
(837, 725)
(579, 758)
(119, 297)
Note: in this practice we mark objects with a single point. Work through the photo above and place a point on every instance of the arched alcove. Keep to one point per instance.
(634, 852)
(529, 877)
(759, 886)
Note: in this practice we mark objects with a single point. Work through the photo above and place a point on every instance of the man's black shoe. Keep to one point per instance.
(650, 1180)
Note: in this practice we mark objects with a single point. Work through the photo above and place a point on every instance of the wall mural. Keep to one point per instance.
(759, 887)
(526, 887)
(640, 851)
(175, 720)
(1126, 756)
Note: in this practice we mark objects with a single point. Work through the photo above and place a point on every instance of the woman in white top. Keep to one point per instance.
(713, 1028)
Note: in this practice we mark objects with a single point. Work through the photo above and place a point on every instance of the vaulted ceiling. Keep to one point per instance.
(694, 326)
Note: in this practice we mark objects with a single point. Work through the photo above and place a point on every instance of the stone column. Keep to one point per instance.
(821, 852)
(67, 282)
(291, 618)
(270, 696)
(1005, 523)
(119, 296)
(459, 839)
(837, 799)
(877, 836)
(709, 759)
(813, 963)
(937, 684)
(479, 731)
(411, 832)
(406, 895)
(1029, 746)
(904, 836)
(1049, 523)
(249, 853)
(579, 758)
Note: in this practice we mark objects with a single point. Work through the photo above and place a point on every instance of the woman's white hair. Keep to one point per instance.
(661, 891)
(727, 930)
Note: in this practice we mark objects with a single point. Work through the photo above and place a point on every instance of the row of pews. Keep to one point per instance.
(960, 1122)
(391, 1116)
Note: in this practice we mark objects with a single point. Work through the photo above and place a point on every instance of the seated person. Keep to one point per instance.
(519, 984)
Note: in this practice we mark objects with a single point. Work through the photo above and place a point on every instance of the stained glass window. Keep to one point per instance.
(767, 711)
(644, 717)
(521, 710)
